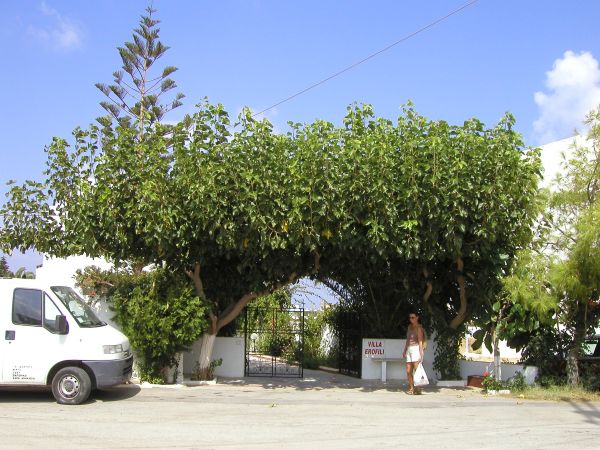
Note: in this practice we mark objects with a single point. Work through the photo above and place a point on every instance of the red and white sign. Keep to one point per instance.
(375, 348)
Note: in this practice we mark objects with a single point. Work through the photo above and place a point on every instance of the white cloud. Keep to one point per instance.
(60, 34)
(573, 89)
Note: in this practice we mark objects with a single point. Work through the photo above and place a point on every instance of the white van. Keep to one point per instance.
(52, 337)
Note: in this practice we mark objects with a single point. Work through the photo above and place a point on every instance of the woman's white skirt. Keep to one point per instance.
(413, 354)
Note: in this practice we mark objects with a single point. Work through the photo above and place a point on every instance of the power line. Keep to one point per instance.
(371, 56)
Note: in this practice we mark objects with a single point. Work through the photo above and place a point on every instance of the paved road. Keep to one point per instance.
(260, 413)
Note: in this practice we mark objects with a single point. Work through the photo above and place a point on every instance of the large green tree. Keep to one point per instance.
(439, 209)
(444, 208)
(245, 213)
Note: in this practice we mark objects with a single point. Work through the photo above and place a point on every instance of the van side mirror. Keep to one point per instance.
(62, 326)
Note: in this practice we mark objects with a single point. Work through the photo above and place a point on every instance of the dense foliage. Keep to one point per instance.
(552, 296)
(158, 311)
(441, 209)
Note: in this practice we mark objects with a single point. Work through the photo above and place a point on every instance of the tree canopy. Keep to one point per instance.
(438, 209)
(244, 212)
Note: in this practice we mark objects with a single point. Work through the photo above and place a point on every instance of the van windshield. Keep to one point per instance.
(83, 314)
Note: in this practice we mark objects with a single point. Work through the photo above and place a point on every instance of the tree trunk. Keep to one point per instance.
(179, 363)
(461, 314)
(206, 349)
(579, 330)
(496, 346)
(496, 351)
(572, 368)
(219, 319)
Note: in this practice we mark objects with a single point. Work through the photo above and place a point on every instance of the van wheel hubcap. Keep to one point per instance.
(69, 386)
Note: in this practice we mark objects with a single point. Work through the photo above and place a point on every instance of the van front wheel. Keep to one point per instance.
(71, 386)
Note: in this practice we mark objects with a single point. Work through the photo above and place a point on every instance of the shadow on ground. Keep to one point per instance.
(28, 394)
(589, 410)
(320, 380)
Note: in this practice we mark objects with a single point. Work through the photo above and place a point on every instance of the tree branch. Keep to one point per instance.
(126, 109)
(462, 310)
(195, 277)
(234, 309)
(317, 265)
(213, 323)
(428, 290)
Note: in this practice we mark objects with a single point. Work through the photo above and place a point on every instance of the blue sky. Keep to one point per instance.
(537, 59)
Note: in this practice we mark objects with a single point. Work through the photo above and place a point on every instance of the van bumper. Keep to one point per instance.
(111, 372)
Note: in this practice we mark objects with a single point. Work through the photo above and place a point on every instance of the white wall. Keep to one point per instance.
(508, 370)
(229, 349)
(505, 350)
(390, 348)
(393, 348)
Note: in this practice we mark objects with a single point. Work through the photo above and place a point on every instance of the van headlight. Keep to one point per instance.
(111, 349)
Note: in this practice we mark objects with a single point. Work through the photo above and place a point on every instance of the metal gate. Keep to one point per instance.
(350, 331)
(274, 340)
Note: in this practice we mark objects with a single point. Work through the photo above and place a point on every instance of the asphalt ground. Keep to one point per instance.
(321, 411)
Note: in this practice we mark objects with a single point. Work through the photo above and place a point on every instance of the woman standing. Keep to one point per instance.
(413, 350)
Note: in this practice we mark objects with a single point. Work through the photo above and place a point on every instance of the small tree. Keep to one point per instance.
(4, 269)
(559, 277)
(136, 101)
(525, 305)
(573, 215)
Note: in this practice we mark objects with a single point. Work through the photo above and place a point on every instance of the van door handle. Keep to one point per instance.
(9, 335)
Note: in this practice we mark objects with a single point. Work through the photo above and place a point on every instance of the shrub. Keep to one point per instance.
(158, 311)
(447, 354)
(197, 375)
(161, 315)
(489, 383)
(517, 383)
(546, 349)
(314, 322)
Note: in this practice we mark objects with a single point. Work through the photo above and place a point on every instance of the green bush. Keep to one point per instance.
(197, 374)
(314, 323)
(546, 349)
(447, 354)
(590, 376)
(158, 311)
(278, 344)
(489, 383)
(517, 383)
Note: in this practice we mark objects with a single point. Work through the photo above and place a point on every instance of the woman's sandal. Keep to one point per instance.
(410, 392)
